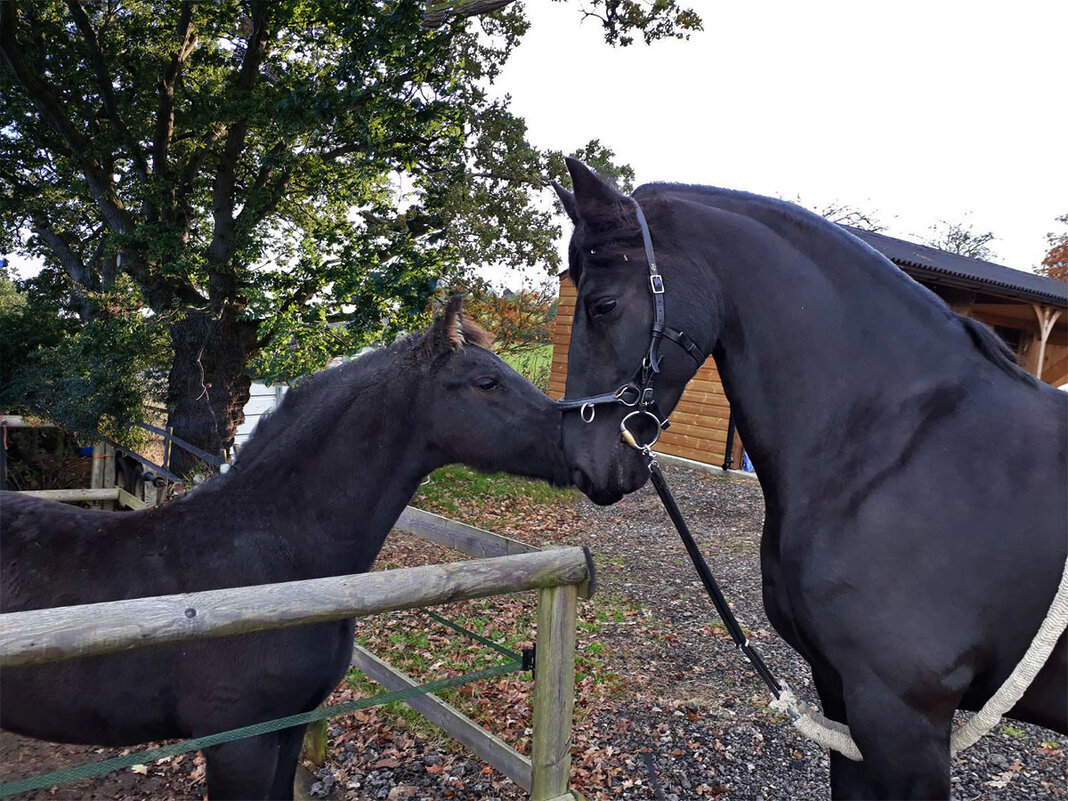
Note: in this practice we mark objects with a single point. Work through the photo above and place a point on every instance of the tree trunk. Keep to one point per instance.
(208, 387)
(233, 344)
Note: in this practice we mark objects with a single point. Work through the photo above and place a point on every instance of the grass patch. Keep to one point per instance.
(454, 488)
(534, 364)
(1012, 731)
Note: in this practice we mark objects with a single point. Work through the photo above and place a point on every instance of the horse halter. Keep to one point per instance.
(637, 393)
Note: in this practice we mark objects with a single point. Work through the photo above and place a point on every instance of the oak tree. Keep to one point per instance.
(270, 183)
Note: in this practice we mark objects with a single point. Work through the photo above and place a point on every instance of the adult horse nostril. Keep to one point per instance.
(578, 478)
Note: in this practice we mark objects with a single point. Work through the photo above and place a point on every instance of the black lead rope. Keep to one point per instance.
(708, 579)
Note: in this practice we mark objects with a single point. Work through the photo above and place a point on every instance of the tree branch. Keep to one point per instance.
(220, 251)
(302, 294)
(165, 113)
(107, 94)
(70, 261)
(161, 291)
(72, 264)
(56, 116)
(257, 204)
(196, 161)
(438, 12)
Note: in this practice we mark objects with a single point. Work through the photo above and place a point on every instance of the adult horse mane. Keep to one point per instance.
(314, 494)
(914, 477)
(613, 229)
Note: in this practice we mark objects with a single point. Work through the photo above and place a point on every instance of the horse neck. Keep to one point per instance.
(816, 341)
(335, 496)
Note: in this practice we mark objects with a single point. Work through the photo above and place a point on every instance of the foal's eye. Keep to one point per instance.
(601, 307)
(486, 383)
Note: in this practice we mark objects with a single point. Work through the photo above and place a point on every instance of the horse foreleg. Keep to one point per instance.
(905, 748)
(290, 742)
(849, 779)
(243, 769)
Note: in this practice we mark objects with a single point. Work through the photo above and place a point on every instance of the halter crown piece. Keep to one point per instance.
(637, 393)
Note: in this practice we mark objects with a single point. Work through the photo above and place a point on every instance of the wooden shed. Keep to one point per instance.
(1028, 311)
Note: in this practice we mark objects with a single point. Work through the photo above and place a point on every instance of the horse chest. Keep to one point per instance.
(781, 591)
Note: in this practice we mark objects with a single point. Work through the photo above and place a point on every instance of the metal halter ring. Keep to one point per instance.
(587, 408)
(628, 436)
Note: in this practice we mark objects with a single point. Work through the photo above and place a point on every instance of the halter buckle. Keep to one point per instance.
(656, 281)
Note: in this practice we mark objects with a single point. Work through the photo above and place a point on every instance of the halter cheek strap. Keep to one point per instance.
(638, 391)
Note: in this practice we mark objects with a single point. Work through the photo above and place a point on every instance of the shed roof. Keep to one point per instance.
(965, 271)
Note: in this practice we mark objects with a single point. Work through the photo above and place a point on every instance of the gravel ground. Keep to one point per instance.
(690, 705)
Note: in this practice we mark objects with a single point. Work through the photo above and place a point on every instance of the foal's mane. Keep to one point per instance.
(615, 228)
(335, 388)
(323, 390)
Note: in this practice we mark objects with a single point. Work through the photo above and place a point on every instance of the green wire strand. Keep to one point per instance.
(476, 637)
(199, 743)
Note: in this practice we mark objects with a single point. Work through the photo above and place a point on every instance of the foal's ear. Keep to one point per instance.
(593, 195)
(567, 200)
(447, 332)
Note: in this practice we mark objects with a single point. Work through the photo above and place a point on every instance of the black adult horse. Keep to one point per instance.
(313, 494)
(914, 477)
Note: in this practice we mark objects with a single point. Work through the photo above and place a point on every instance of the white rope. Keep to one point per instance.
(1021, 677)
(834, 735)
(822, 731)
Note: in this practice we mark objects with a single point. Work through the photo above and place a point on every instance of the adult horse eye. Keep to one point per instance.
(601, 307)
(486, 383)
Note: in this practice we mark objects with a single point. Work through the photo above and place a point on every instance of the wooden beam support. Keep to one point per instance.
(1047, 317)
(477, 740)
(458, 536)
(75, 495)
(128, 500)
(15, 421)
(48, 635)
(107, 480)
(554, 693)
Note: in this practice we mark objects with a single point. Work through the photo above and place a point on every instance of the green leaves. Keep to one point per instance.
(90, 379)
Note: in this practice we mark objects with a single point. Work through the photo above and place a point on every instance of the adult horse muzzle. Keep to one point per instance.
(637, 393)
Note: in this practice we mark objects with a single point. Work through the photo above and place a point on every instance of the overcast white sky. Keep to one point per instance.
(922, 111)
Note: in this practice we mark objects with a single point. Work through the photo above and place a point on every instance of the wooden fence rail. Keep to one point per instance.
(48, 635)
(117, 494)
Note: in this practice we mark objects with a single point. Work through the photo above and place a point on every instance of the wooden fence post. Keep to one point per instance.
(554, 693)
(107, 480)
(96, 478)
(316, 741)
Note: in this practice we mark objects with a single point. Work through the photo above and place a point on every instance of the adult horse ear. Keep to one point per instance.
(447, 332)
(593, 195)
(567, 200)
